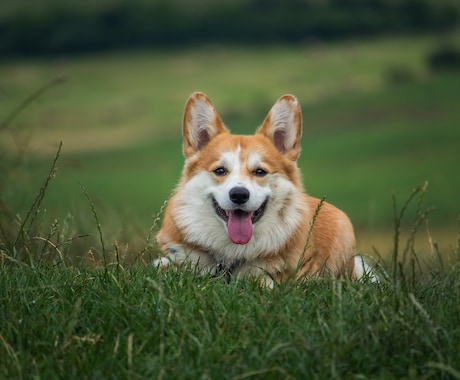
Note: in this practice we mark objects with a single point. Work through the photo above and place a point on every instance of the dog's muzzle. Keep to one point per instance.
(239, 222)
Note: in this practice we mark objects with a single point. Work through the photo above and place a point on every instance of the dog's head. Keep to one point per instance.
(241, 180)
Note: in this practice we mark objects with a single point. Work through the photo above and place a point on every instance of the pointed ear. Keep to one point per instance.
(283, 126)
(200, 124)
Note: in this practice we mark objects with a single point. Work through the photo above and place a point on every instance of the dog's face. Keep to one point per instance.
(236, 190)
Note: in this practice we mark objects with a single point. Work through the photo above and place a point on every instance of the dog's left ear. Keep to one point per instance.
(200, 124)
(283, 126)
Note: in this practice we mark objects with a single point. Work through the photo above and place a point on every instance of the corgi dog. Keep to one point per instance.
(240, 207)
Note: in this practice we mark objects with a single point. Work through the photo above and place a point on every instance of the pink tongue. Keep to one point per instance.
(239, 227)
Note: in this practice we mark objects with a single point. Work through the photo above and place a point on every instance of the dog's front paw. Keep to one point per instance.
(161, 262)
(363, 270)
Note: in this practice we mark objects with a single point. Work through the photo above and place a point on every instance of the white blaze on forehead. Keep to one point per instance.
(230, 160)
(254, 161)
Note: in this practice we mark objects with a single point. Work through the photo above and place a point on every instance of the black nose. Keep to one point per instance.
(239, 195)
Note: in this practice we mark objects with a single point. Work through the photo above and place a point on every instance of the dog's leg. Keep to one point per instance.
(363, 270)
(255, 270)
(178, 255)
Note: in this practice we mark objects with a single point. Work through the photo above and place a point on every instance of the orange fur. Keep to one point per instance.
(275, 147)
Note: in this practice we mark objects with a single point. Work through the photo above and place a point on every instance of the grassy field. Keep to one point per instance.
(119, 117)
(144, 93)
(138, 323)
(113, 319)
(77, 296)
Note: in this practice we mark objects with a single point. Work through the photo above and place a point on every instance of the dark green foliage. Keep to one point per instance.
(444, 58)
(56, 27)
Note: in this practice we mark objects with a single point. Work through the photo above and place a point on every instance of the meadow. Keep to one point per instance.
(68, 322)
(377, 121)
(77, 296)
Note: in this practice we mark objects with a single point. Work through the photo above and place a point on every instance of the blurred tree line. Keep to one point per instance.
(44, 27)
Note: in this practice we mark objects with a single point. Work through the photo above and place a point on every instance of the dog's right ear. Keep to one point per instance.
(200, 124)
(283, 126)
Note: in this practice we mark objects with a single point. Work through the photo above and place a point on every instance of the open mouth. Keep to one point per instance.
(239, 222)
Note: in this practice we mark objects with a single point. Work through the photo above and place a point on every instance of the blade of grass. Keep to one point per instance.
(301, 263)
(35, 208)
(98, 225)
(398, 218)
(31, 98)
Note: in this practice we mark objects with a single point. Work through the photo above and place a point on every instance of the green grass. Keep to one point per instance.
(106, 317)
(68, 322)
(78, 298)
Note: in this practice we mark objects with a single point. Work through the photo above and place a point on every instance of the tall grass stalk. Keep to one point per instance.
(6, 123)
(301, 263)
(421, 216)
(153, 228)
(21, 246)
(99, 228)
(34, 209)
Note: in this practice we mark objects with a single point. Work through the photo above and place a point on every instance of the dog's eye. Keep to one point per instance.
(220, 171)
(259, 172)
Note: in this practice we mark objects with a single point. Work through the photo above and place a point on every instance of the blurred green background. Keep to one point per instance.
(378, 81)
